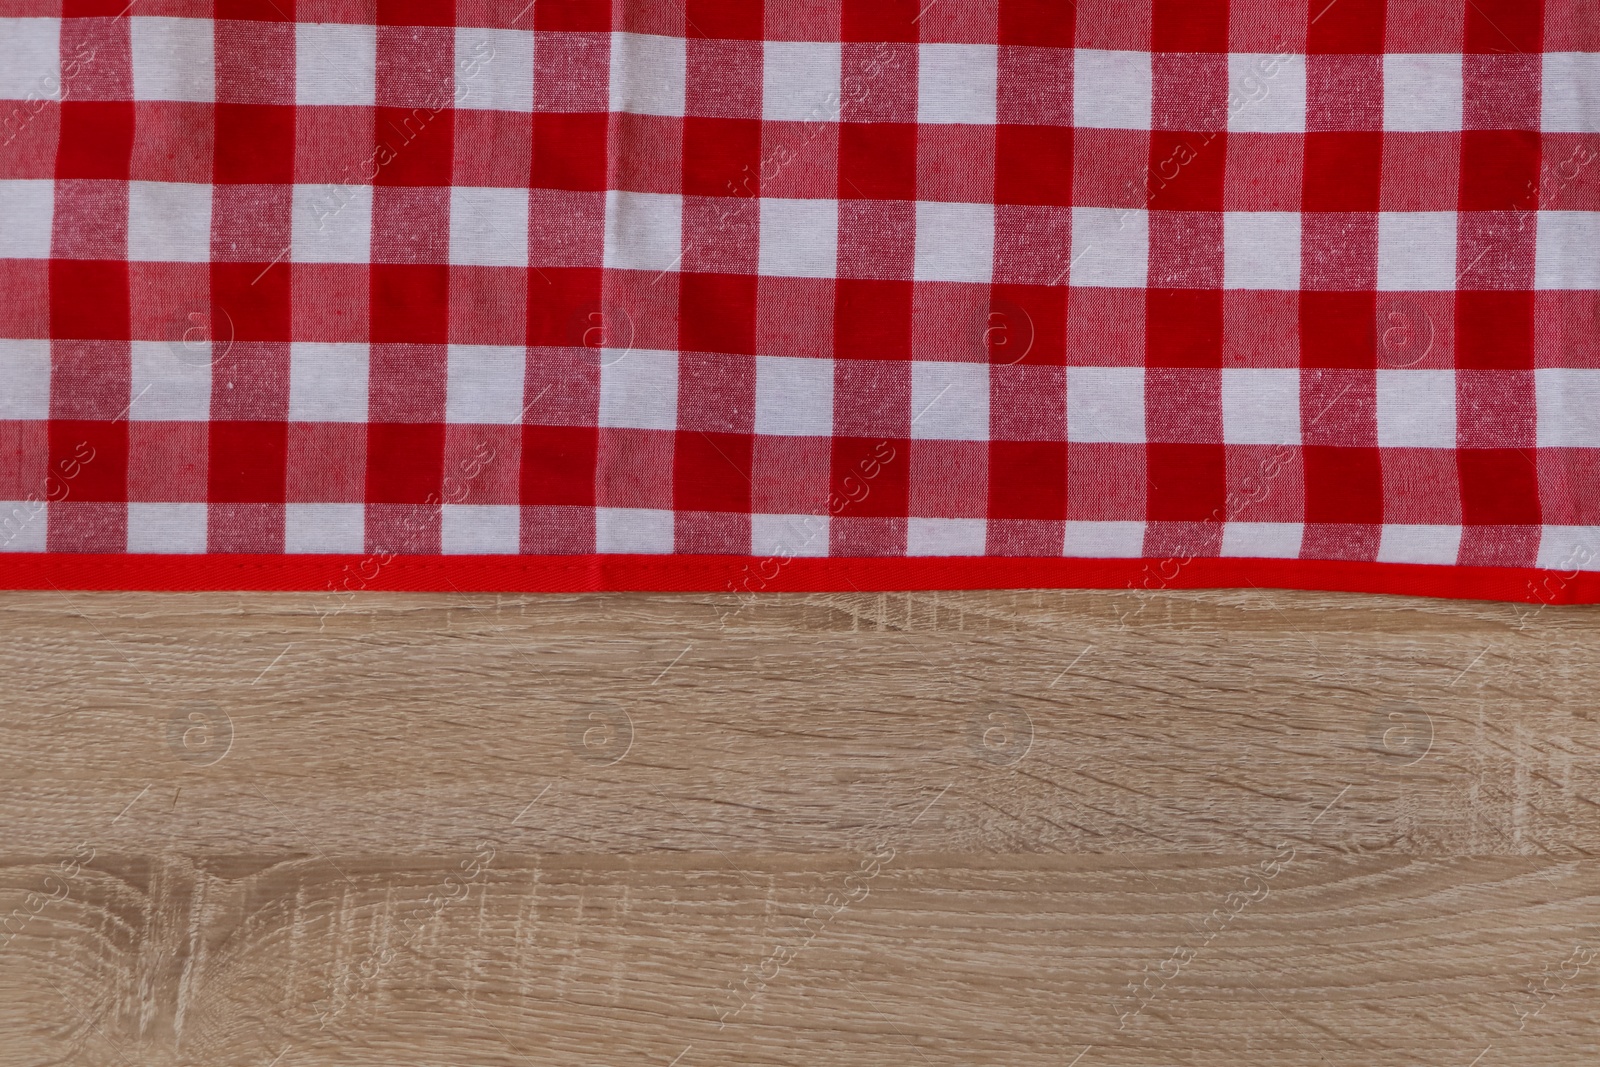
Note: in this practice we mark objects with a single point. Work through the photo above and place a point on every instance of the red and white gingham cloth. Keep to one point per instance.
(1139, 279)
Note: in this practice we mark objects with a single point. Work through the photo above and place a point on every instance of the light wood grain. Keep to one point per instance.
(1007, 828)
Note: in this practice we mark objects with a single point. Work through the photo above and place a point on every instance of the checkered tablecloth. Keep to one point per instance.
(1148, 280)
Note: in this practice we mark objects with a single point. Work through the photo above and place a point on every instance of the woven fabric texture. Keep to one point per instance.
(844, 278)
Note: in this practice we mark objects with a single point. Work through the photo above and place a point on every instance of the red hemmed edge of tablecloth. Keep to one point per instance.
(744, 574)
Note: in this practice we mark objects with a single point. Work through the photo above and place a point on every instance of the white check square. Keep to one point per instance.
(1422, 93)
(328, 382)
(644, 231)
(484, 383)
(788, 536)
(1568, 250)
(24, 524)
(331, 224)
(950, 401)
(1570, 102)
(335, 64)
(1262, 540)
(639, 531)
(334, 529)
(1261, 250)
(24, 378)
(946, 537)
(494, 69)
(956, 83)
(27, 207)
(166, 388)
(794, 396)
(1569, 549)
(173, 58)
(488, 227)
(799, 238)
(1569, 407)
(800, 81)
(1103, 540)
(1110, 248)
(1416, 409)
(1260, 406)
(167, 528)
(480, 529)
(1105, 404)
(169, 221)
(1266, 93)
(32, 67)
(955, 242)
(647, 74)
(1401, 543)
(1111, 90)
(640, 390)
(1416, 251)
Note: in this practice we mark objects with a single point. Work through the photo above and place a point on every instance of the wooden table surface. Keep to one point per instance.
(1211, 828)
